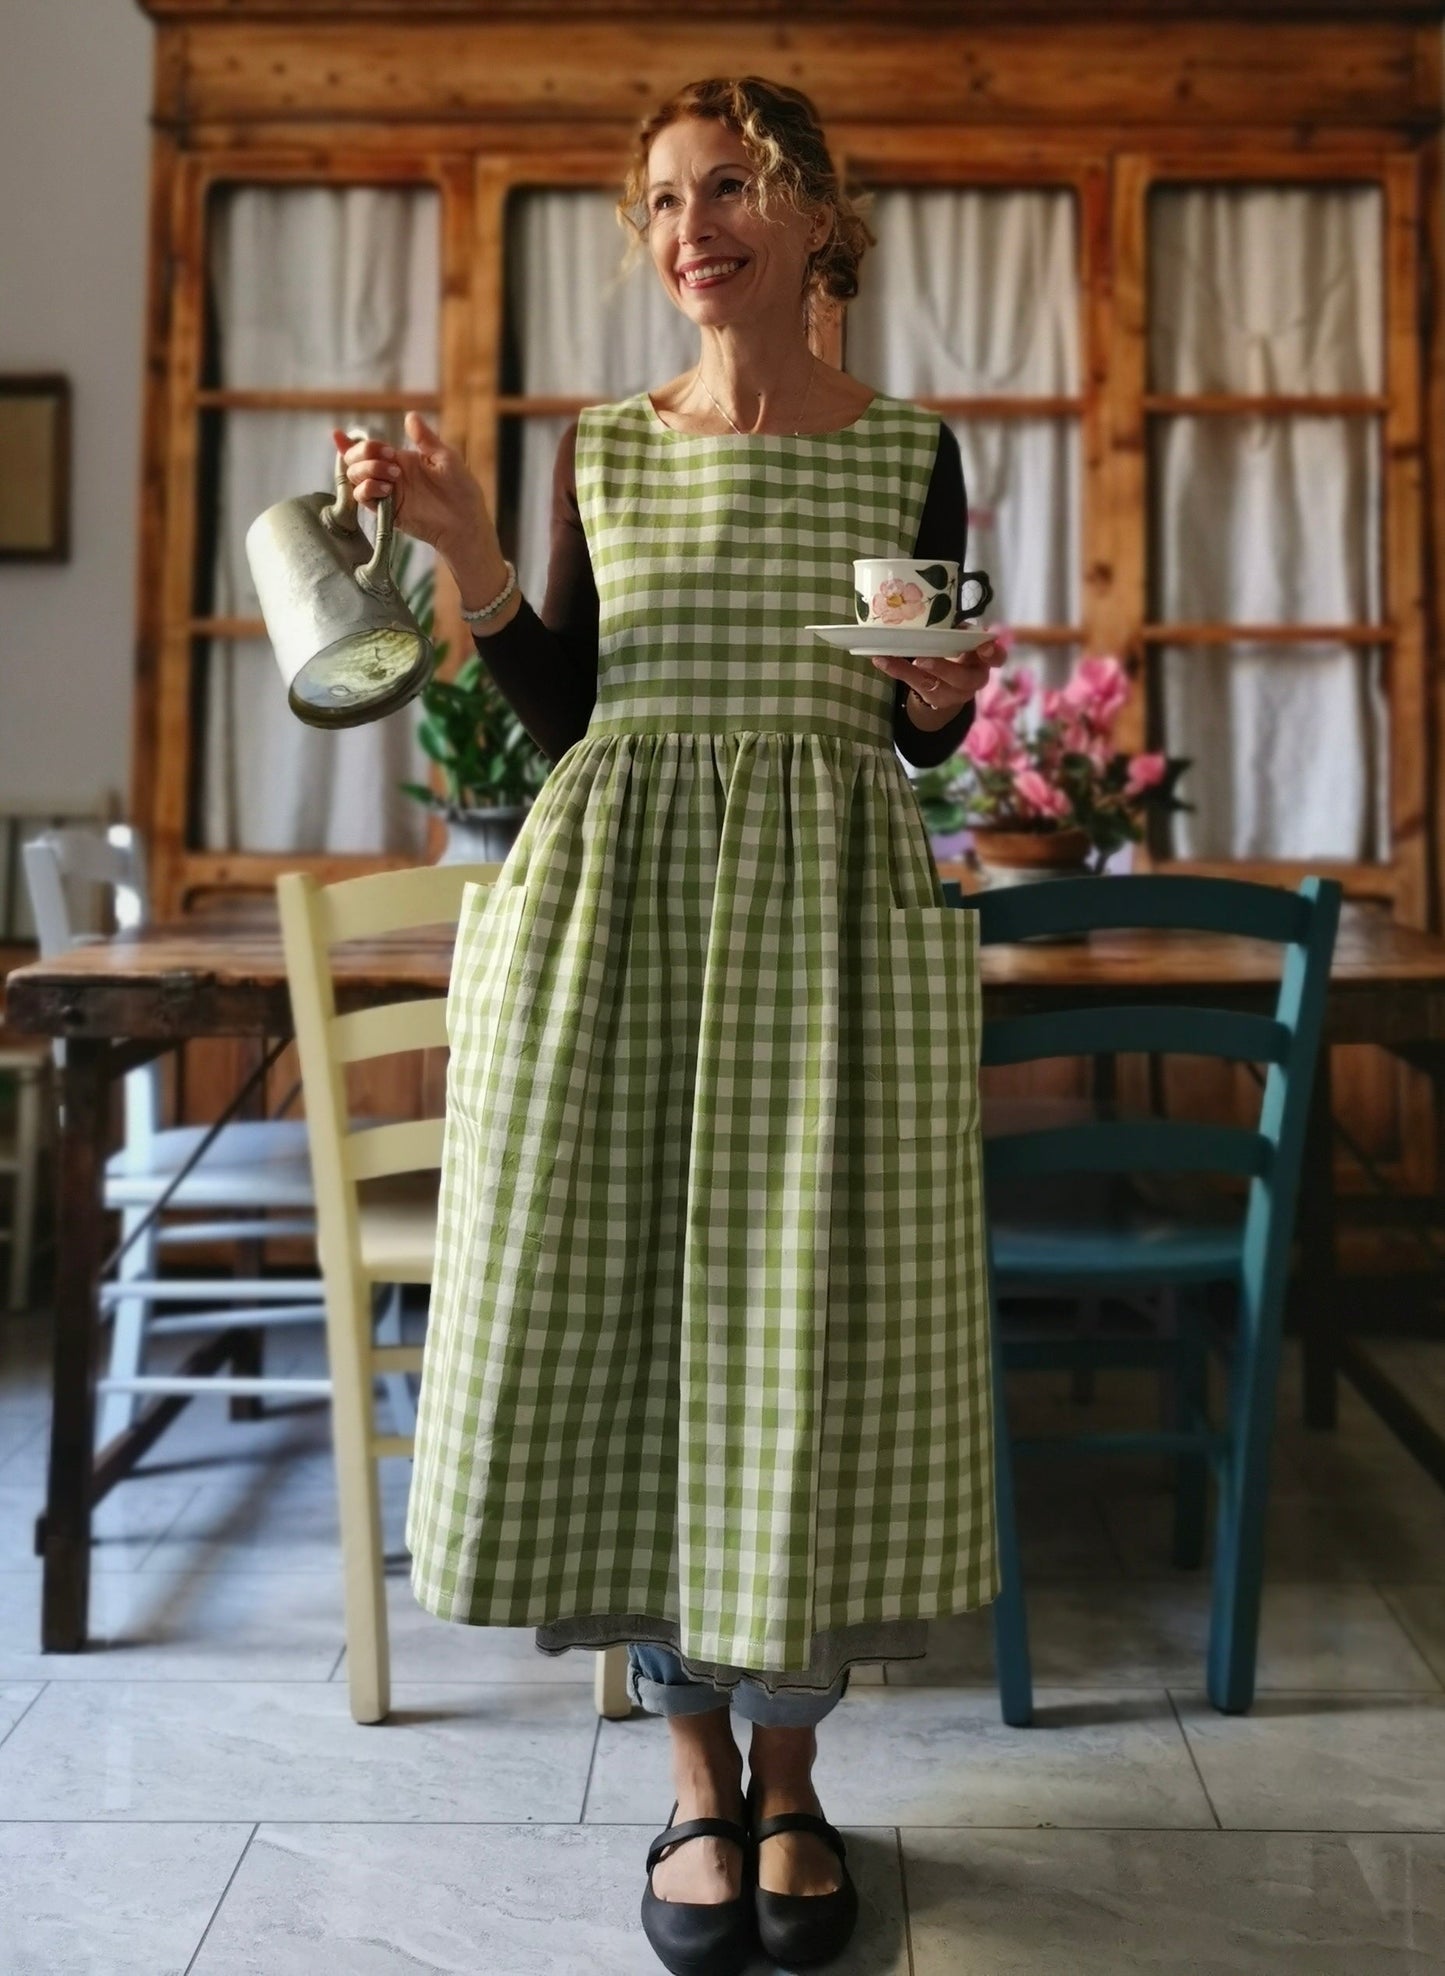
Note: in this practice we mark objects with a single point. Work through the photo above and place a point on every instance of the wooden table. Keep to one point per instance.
(124, 1000)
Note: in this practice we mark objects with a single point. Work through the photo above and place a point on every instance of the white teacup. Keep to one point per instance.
(896, 591)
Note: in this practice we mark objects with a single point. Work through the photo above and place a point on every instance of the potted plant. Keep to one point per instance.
(491, 769)
(1040, 782)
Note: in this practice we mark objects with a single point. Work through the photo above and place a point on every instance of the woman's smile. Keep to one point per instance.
(710, 274)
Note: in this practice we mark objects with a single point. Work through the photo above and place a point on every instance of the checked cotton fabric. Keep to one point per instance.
(708, 1336)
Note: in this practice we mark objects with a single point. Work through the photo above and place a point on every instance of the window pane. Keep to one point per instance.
(968, 293)
(315, 288)
(1288, 745)
(574, 323)
(1265, 520)
(974, 293)
(1269, 290)
(321, 285)
(1265, 288)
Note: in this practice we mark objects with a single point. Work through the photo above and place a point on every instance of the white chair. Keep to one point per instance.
(376, 1213)
(252, 1183)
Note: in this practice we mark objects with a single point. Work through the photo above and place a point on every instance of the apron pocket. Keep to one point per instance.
(932, 1009)
(487, 931)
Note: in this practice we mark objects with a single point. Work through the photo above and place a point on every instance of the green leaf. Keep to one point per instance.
(935, 574)
(860, 605)
(940, 608)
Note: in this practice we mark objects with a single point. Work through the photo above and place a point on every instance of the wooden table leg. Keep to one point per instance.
(65, 1592)
(1317, 1284)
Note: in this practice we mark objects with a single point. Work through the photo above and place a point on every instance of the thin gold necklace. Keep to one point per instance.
(798, 429)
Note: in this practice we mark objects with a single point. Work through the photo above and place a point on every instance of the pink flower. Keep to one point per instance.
(1053, 705)
(988, 743)
(1098, 689)
(1145, 772)
(897, 602)
(1004, 695)
(1038, 796)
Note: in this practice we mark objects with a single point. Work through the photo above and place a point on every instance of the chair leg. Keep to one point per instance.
(1010, 1616)
(398, 1386)
(1243, 1502)
(368, 1651)
(609, 1684)
(117, 1411)
(1191, 1410)
(27, 1176)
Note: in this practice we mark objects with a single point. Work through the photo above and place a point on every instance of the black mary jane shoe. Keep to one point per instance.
(799, 1931)
(700, 1938)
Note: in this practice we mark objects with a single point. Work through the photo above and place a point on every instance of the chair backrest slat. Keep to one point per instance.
(1183, 1031)
(394, 901)
(1172, 902)
(377, 1150)
(389, 1030)
(1145, 1145)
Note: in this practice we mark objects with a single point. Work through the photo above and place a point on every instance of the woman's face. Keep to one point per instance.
(717, 260)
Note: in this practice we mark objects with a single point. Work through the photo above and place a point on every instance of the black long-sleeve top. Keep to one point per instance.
(546, 666)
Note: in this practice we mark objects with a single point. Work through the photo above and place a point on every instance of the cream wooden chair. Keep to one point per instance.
(376, 1216)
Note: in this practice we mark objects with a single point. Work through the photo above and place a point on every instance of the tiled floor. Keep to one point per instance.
(191, 1795)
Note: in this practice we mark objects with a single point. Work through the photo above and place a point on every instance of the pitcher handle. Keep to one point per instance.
(342, 516)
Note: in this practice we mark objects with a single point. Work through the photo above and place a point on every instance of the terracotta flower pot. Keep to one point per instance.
(1022, 857)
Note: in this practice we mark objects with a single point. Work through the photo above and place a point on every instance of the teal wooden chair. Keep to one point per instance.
(1129, 1253)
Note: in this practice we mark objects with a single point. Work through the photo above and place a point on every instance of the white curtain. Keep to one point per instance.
(312, 287)
(577, 327)
(974, 293)
(1270, 520)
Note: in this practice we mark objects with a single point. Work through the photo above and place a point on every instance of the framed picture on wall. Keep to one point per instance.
(35, 486)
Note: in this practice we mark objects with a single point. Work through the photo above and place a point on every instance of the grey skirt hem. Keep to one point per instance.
(833, 1649)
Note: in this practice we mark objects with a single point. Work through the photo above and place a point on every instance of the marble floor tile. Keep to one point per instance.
(25, 1453)
(135, 1901)
(286, 1519)
(539, 1900)
(125, 1526)
(1420, 1609)
(1174, 1903)
(184, 1625)
(15, 1698)
(289, 1749)
(428, 1649)
(1154, 1633)
(1306, 1539)
(1322, 1763)
(921, 1756)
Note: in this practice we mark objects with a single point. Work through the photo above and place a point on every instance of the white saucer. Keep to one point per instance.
(901, 641)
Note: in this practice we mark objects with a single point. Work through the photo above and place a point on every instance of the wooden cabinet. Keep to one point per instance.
(1114, 104)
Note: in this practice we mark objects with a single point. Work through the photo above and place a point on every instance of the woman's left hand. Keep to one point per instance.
(943, 687)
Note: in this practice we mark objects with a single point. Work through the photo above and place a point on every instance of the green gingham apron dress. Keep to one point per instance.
(708, 1340)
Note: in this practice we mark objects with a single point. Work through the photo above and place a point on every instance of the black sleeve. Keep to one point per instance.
(546, 667)
(942, 536)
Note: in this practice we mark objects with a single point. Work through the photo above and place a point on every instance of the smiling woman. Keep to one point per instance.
(707, 1363)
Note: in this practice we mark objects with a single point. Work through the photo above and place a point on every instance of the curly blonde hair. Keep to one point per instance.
(779, 130)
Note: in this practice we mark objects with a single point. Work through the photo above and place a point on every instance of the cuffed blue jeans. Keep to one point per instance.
(657, 1682)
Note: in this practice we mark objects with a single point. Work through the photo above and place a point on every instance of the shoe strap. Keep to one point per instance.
(696, 1828)
(800, 1821)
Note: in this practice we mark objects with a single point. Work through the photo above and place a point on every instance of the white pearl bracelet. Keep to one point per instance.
(486, 611)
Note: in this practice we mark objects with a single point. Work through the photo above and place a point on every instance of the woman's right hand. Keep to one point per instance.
(435, 495)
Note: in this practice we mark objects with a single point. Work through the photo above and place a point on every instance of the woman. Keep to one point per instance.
(706, 1369)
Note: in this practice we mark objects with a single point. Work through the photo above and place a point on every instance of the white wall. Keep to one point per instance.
(74, 146)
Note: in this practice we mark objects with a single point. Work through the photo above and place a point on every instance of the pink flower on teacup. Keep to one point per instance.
(897, 602)
(1039, 797)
